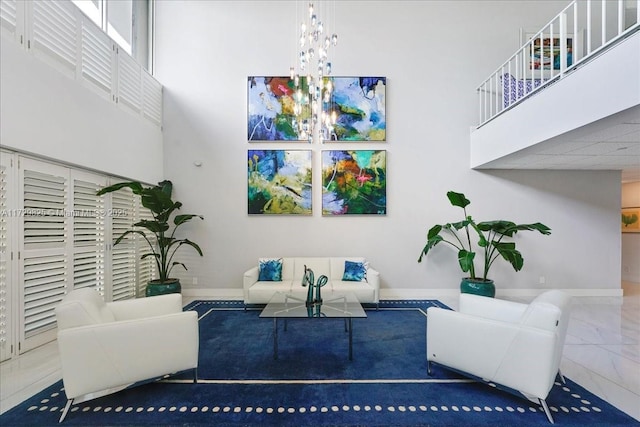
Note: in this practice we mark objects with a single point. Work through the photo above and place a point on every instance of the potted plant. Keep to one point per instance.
(490, 245)
(161, 238)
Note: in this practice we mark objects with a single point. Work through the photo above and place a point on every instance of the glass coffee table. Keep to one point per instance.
(334, 305)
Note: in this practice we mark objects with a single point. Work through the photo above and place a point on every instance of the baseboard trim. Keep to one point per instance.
(407, 294)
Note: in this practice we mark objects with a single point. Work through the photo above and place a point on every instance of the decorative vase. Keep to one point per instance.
(481, 287)
(155, 287)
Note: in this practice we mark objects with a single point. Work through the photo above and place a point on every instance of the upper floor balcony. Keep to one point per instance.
(569, 98)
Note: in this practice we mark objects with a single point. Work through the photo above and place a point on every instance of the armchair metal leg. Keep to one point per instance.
(195, 375)
(65, 410)
(546, 410)
(561, 377)
(429, 367)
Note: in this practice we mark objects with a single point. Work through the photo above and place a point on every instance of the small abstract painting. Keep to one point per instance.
(630, 220)
(279, 182)
(354, 182)
(358, 103)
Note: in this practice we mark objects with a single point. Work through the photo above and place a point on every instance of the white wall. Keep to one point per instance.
(433, 54)
(631, 241)
(46, 113)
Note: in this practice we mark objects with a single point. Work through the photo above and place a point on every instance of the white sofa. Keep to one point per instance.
(508, 343)
(260, 292)
(105, 347)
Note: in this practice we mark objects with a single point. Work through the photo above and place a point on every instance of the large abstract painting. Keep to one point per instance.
(359, 104)
(270, 109)
(279, 182)
(354, 182)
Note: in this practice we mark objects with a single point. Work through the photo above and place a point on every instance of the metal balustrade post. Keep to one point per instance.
(604, 22)
(563, 43)
(576, 40)
(588, 27)
(621, 16)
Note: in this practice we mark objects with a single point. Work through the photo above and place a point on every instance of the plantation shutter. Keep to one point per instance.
(97, 58)
(147, 269)
(152, 99)
(6, 218)
(123, 255)
(45, 248)
(129, 82)
(53, 34)
(88, 232)
(9, 16)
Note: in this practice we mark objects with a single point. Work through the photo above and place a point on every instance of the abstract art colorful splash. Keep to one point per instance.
(279, 182)
(270, 109)
(354, 182)
(360, 106)
(359, 103)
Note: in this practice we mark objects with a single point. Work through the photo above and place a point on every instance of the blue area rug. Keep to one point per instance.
(313, 383)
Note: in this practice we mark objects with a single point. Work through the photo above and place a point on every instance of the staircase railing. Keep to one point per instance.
(581, 31)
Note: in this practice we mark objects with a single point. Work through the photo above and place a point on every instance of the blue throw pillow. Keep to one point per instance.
(271, 270)
(354, 271)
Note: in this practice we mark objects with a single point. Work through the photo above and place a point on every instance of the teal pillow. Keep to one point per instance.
(270, 270)
(354, 271)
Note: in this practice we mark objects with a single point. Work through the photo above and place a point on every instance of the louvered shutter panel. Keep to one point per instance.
(97, 57)
(88, 232)
(45, 248)
(123, 255)
(147, 269)
(6, 215)
(54, 29)
(9, 16)
(129, 82)
(152, 106)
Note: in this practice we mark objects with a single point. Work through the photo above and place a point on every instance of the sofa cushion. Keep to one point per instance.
(262, 292)
(337, 266)
(270, 270)
(362, 290)
(354, 271)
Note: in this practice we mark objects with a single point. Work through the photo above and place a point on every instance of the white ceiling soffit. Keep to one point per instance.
(612, 143)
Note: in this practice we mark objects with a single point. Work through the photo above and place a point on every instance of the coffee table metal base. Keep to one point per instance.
(348, 327)
(333, 305)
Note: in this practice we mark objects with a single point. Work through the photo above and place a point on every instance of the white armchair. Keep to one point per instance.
(105, 347)
(507, 343)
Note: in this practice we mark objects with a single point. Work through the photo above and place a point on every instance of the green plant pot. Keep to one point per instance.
(171, 286)
(485, 288)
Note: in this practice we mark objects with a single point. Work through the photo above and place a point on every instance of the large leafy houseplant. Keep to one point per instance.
(490, 244)
(158, 233)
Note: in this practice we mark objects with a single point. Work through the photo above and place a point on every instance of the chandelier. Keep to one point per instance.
(313, 88)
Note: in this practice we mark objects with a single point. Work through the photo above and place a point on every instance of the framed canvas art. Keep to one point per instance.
(279, 182)
(270, 109)
(360, 106)
(357, 105)
(354, 182)
(545, 53)
(630, 220)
